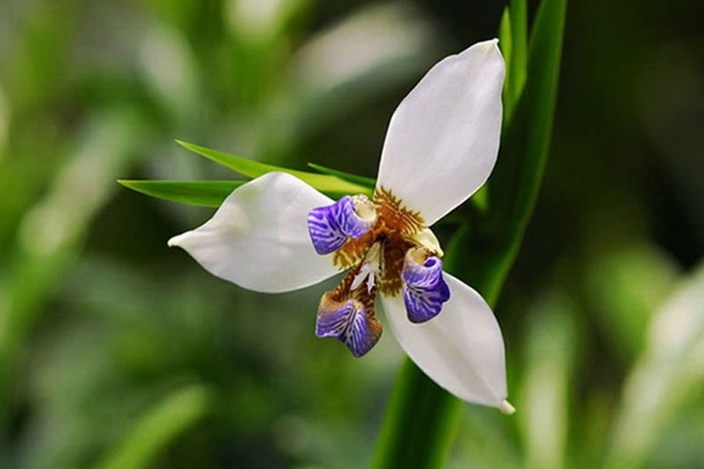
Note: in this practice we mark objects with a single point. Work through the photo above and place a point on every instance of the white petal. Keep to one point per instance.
(461, 349)
(443, 138)
(258, 238)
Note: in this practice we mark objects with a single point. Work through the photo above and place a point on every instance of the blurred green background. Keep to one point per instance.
(116, 352)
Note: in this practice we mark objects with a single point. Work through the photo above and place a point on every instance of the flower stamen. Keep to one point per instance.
(370, 267)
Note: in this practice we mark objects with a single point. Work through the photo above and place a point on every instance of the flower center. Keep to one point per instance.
(387, 240)
(387, 249)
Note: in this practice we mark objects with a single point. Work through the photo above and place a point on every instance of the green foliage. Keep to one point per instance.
(494, 240)
(669, 373)
(328, 184)
(353, 178)
(158, 428)
(544, 399)
(334, 184)
(204, 193)
(513, 34)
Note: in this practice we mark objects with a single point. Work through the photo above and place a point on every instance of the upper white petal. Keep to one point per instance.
(461, 349)
(443, 138)
(258, 238)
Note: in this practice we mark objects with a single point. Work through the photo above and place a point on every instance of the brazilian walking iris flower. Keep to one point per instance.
(277, 234)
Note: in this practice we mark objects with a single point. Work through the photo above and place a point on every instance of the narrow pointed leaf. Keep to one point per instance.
(526, 140)
(506, 46)
(514, 45)
(519, 34)
(203, 193)
(515, 182)
(330, 185)
(353, 178)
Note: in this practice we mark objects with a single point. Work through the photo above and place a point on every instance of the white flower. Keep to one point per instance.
(276, 233)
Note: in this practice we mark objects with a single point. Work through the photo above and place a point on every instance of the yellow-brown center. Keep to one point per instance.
(394, 227)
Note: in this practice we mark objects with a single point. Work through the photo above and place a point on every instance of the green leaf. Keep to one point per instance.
(506, 46)
(325, 183)
(415, 432)
(159, 427)
(526, 139)
(505, 39)
(203, 193)
(626, 285)
(548, 358)
(668, 375)
(78, 189)
(514, 45)
(353, 178)
(494, 240)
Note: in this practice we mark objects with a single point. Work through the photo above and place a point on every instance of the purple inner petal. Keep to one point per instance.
(424, 289)
(330, 226)
(348, 323)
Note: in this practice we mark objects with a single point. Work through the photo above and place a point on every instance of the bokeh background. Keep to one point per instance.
(117, 352)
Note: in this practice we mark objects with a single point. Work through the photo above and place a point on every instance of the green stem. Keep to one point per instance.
(418, 426)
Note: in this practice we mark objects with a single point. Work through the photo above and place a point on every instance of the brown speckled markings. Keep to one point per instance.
(394, 252)
(395, 215)
(332, 300)
(394, 225)
(353, 251)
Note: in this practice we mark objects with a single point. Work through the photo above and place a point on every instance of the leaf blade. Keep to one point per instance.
(325, 183)
(160, 426)
(494, 239)
(200, 193)
(349, 177)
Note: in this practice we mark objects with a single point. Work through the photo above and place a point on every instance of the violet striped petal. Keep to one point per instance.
(349, 322)
(424, 290)
(330, 226)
